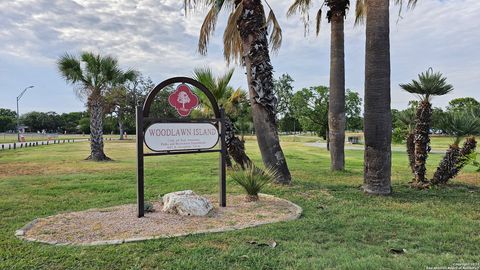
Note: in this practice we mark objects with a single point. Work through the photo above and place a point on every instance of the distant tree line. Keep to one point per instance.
(307, 108)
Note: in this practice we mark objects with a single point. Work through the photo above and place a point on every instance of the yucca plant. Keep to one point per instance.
(429, 84)
(458, 124)
(253, 179)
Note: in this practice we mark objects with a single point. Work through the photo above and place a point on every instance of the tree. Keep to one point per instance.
(464, 104)
(310, 107)
(429, 84)
(284, 92)
(94, 76)
(458, 124)
(7, 119)
(377, 113)
(39, 121)
(70, 121)
(246, 39)
(336, 112)
(353, 110)
(228, 98)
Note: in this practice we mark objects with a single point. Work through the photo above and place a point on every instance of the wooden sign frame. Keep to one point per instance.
(143, 113)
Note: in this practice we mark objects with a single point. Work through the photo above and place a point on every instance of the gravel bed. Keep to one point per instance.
(119, 224)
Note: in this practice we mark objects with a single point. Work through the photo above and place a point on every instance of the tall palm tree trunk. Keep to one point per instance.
(253, 33)
(96, 130)
(422, 140)
(336, 109)
(378, 123)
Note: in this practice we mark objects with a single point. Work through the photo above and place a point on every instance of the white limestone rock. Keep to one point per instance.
(186, 203)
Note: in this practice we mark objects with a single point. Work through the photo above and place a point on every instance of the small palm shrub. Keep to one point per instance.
(458, 124)
(429, 84)
(253, 179)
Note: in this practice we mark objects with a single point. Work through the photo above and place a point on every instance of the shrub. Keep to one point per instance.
(253, 179)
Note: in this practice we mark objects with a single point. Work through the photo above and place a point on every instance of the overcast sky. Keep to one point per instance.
(156, 38)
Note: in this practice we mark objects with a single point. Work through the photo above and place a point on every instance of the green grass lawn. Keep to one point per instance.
(341, 228)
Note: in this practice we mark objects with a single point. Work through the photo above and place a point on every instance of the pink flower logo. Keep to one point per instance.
(183, 99)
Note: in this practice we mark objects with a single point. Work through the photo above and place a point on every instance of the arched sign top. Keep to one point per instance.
(151, 96)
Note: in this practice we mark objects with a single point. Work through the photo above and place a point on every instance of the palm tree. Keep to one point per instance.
(429, 84)
(246, 39)
(229, 99)
(459, 125)
(94, 76)
(377, 113)
(336, 112)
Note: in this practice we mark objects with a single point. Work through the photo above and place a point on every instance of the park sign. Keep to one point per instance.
(182, 135)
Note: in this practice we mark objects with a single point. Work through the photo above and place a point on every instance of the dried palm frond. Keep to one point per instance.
(360, 11)
(207, 29)
(232, 42)
(318, 21)
(276, 34)
(302, 7)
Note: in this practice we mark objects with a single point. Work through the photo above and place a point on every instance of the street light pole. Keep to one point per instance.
(18, 112)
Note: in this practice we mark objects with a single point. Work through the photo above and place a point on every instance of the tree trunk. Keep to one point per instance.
(336, 109)
(120, 125)
(260, 83)
(96, 130)
(378, 122)
(235, 147)
(422, 140)
(448, 166)
(411, 150)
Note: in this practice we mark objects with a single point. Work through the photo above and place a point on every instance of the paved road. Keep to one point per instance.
(7, 146)
(360, 147)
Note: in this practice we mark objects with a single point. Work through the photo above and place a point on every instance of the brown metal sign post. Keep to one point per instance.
(184, 101)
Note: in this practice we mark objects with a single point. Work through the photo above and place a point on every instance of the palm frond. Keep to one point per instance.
(276, 34)
(223, 81)
(232, 42)
(318, 21)
(237, 96)
(407, 117)
(70, 68)
(192, 4)
(208, 27)
(205, 76)
(360, 12)
(460, 124)
(400, 3)
(428, 84)
(302, 7)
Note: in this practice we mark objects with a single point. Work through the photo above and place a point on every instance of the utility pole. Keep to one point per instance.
(18, 112)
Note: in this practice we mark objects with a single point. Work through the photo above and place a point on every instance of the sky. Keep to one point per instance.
(156, 38)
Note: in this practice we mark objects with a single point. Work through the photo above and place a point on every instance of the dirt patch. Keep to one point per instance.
(119, 224)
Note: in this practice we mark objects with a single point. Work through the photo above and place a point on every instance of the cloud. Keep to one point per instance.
(157, 38)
